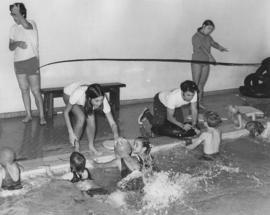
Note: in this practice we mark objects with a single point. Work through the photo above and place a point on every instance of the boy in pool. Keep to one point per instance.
(255, 128)
(210, 138)
(133, 159)
(9, 171)
(81, 175)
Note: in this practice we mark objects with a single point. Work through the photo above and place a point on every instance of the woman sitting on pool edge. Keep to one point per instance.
(83, 101)
(133, 159)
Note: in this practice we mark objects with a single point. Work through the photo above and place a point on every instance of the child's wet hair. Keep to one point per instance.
(145, 143)
(254, 127)
(212, 118)
(77, 162)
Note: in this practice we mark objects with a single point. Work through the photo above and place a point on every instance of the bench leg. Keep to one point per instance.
(45, 104)
(115, 98)
(50, 106)
(115, 101)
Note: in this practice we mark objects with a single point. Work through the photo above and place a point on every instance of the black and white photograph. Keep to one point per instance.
(135, 107)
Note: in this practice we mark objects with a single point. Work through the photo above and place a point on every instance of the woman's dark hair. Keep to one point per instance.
(206, 23)
(21, 7)
(189, 86)
(145, 143)
(77, 162)
(93, 91)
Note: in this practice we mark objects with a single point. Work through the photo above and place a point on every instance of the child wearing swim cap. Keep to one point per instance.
(9, 170)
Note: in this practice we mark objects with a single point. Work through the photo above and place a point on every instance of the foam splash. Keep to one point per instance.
(117, 199)
(165, 188)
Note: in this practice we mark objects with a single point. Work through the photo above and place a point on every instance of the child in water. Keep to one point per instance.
(9, 171)
(210, 138)
(255, 128)
(81, 175)
(133, 159)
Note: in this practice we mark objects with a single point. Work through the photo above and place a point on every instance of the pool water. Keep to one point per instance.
(238, 182)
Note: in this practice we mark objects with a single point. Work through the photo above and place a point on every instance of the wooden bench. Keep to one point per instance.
(112, 88)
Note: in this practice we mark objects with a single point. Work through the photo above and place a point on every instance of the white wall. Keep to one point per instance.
(71, 29)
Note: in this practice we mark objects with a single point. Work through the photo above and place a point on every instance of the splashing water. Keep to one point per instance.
(165, 188)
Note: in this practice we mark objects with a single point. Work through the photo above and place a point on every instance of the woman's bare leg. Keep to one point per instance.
(203, 80)
(25, 91)
(35, 89)
(90, 132)
(196, 70)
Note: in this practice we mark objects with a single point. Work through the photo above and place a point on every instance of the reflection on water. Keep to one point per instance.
(236, 183)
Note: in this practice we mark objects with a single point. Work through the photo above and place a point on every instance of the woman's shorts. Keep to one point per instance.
(28, 67)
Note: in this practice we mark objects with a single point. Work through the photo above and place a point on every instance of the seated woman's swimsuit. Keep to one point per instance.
(9, 184)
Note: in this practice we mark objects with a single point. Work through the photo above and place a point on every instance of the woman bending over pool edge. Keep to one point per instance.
(83, 101)
(167, 118)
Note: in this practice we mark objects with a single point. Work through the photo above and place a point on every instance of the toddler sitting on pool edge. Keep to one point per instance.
(210, 138)
(255, 128)
(9, 171)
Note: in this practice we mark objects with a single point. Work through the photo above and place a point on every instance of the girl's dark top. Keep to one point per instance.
(201, 41)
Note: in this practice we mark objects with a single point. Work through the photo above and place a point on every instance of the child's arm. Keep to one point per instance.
(14, 172)
(114, 163)
(197, 141)
(67, 176)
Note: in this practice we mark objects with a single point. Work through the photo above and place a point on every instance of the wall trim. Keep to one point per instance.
(123, 102)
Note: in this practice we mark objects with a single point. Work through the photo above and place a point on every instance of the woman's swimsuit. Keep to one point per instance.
(9, 184)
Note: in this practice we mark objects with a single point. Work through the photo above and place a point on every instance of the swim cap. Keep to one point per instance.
(122, 148)
(7, 155)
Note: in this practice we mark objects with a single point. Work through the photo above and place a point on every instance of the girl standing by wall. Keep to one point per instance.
(202, 43)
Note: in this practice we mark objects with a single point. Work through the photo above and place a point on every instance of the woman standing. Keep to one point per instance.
(83, 101)
(24, 42)
(202, 43)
